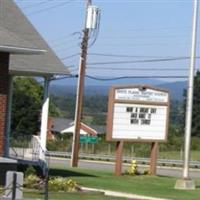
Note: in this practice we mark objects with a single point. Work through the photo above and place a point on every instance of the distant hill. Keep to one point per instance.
(64, 88)
(94, 87)
(176, 89)
(92, 82)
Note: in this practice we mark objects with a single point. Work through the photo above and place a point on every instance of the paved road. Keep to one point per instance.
(109, 166)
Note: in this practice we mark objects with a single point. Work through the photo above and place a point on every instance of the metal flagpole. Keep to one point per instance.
(186, 183)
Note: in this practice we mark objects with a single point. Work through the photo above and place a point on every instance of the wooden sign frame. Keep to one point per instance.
(112, 101)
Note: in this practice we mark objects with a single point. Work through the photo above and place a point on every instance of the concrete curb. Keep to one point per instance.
(121, 194)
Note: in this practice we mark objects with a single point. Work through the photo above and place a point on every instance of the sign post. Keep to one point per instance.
(153, 158)
(119, 153)
(137, 113)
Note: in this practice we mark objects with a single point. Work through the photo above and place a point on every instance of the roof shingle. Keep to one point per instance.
(22, 33)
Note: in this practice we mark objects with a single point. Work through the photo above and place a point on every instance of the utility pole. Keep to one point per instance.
(80, 92)
(186, 182)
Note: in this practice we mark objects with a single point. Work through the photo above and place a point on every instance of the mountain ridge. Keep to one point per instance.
(175, 88)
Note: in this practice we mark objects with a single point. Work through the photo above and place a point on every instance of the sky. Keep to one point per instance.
(133, 35)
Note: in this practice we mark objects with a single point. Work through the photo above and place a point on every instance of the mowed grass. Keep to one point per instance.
(177, 155)
(153, 186)
(70, 196)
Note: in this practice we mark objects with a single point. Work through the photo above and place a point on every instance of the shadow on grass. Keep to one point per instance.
(68, 173)
(198, 186)
(165, 176)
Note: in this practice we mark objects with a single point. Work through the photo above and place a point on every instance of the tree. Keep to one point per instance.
(27, 104)
(196, 106)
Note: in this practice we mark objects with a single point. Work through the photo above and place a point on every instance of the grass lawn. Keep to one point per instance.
(70, 196)
(195, 155)
(142, 185)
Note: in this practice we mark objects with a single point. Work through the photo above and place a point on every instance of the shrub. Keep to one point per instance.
(146, 172)
(33, 182)
(30, 171)
(132, 170)
(63, 184)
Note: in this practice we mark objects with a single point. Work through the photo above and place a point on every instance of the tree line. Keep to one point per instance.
(27, 104)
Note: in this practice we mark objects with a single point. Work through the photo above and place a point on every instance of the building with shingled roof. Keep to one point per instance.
(23, 52)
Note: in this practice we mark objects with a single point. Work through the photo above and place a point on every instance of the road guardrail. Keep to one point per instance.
(126, 159)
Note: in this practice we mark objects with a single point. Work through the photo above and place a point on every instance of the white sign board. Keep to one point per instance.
(136, 94)
(136, 114)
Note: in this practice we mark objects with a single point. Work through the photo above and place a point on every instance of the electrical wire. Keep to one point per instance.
(141, 61)
(34, 5)
(69, 47)
(137, 69)
(121, 77)
(64, 43)
(141, 37)
(142, 44)
(70, 56)
(50, 8)
(125, 56)
(63, 37)
(130, 77)
(129, 56)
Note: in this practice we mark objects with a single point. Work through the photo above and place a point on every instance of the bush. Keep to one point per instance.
(63, 184)
(30, 171)
(195, 143)
(132, 170)
(33, 182)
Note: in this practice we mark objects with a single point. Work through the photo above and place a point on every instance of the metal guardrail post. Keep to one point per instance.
(195, 164)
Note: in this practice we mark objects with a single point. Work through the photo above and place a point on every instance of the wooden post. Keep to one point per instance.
(93, 148)
(109, 149)
(153, 159)
(119, 154)
(79, 95)
(132, 151)
(86, 147)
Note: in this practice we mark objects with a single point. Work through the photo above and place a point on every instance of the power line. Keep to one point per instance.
(34, 5)
(60, 47)
(124, 56)
(137, 69)
(50, 8)
(122, 77)
(70, 56)
(160, 28)
(69, 47)
(141, 37)
(150, 29)
(129, 56)
(141, 61)
(130, 77)
(64, 43)
(63, 37)
(141, 44)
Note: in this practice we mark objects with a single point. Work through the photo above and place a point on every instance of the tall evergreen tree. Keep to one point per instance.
(196, 106)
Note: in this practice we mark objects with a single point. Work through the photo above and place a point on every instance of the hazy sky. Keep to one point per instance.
(129, 31)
